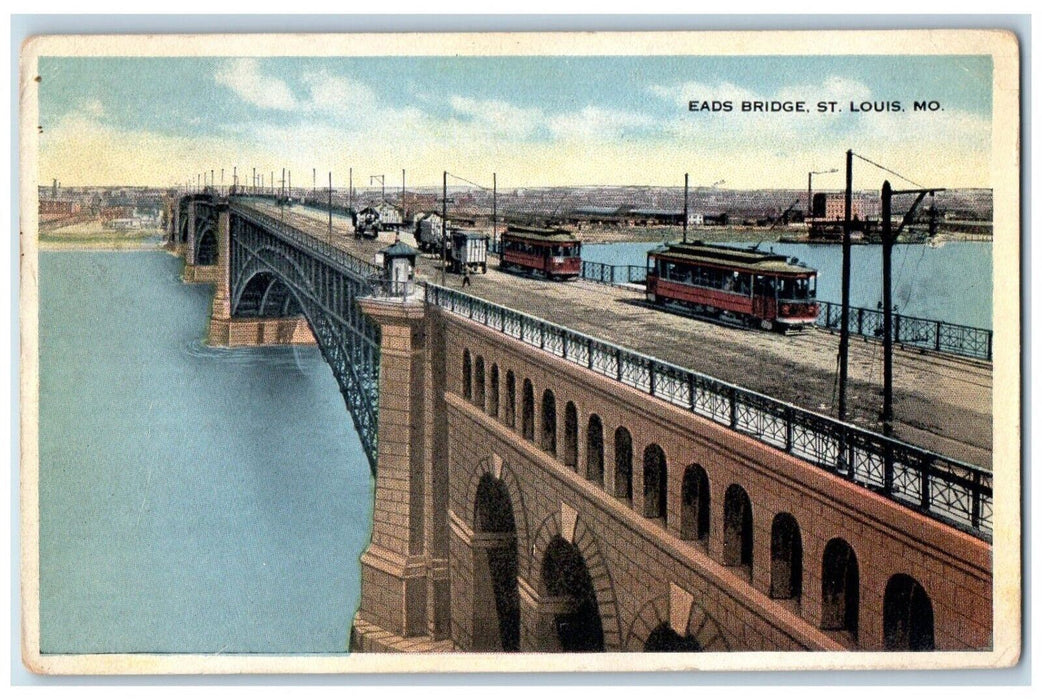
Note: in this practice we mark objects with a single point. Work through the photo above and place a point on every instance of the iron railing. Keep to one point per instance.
(341, 259)
(928, 334)
(613, 274)
(945, 489)
(925, 333)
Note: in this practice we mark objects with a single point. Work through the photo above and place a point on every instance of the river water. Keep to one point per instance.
(191, 499)
(951, 282)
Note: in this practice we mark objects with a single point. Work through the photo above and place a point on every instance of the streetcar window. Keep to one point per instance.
(799, 288)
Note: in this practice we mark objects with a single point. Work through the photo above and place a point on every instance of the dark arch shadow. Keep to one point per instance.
(567, 581)
(494, 587)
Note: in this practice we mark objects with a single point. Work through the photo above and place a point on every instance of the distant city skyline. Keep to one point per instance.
(535, 121)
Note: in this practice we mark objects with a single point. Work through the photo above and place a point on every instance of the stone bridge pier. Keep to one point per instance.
(405, 576)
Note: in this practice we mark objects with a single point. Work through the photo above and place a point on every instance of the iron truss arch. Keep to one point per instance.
(326, 293)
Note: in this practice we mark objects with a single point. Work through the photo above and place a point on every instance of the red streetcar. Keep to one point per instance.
(745, 285)
(553, 252)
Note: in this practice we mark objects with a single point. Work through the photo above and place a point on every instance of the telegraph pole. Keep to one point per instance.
(844, 317)
(403, 197)
(351, 189)
(888, 341)
(685, 207)
(493, 208)
(889, 236)
(330, 206)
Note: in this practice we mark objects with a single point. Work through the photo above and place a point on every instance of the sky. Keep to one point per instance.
(534, 121)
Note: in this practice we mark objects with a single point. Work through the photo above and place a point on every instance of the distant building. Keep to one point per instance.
(52, 209)
(831, 207)
(656, 217)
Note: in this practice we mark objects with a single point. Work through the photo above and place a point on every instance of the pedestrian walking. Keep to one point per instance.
(466, 278)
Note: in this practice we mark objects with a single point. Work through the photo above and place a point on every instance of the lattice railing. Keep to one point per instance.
(946, 489)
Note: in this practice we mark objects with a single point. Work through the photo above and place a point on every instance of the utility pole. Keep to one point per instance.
(314, 180)
(889, 237)
(888, 341)
(253, 183)
(494, 209)
(685, 207)
(235, 176)
(289, 185)
(844, 316)
(383, 187)
(351, 189)
(403, 196)
(330, 206)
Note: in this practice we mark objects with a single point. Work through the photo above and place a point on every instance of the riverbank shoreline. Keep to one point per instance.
(112, 246)
(727, 234)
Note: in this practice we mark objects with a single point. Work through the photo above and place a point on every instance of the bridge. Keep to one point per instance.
(559, 468)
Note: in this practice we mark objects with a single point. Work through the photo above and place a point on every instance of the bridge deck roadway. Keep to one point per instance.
(941, 403)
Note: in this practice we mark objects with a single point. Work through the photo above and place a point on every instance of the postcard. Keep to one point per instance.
(511, 352)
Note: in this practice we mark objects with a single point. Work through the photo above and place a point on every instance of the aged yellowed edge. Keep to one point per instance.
(1001, 45)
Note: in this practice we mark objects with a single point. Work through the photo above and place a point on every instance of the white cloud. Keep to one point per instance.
(244, 78)
(337, 94)
(499, 117)
(597, 124)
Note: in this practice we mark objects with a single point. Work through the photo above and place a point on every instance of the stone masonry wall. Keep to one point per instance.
(645, 566)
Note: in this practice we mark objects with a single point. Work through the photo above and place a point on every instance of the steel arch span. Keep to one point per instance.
(273, 272)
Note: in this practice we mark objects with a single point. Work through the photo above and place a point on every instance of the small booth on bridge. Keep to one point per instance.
(399, 264)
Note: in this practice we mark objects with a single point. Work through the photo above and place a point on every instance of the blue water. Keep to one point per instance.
(949, 283)
(191, 499)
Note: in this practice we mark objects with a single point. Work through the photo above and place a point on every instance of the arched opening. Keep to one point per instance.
(548, 440)
(694, 504)
(595, 450)
(479, 382)
(493, 391)
(570, 451)
(207, 248)
(527, 411)
(654, 482)
(786, 557)
(509, 413)
(907, 615)
(266, 296)
(839, 587)
(570, 599)
(495, 569)
(623, 465)
(663, 638)
(738, 529)
(467, 393)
